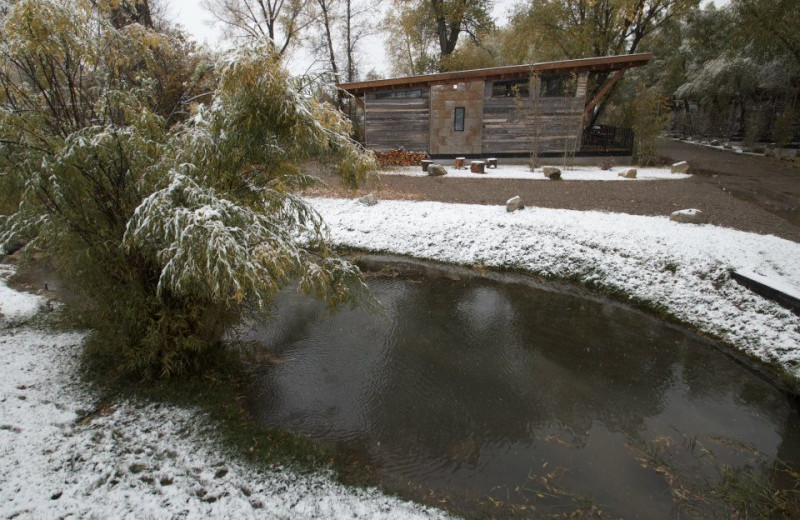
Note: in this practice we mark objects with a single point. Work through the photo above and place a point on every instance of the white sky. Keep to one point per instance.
(199, 23)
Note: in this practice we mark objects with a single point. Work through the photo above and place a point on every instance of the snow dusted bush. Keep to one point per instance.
(170, 230)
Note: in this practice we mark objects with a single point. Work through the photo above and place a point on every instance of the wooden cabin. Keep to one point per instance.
(499, 111)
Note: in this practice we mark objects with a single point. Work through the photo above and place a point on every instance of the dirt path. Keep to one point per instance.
(637, 198)
(768, 183)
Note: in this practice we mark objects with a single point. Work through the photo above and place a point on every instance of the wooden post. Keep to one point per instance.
(603, 91)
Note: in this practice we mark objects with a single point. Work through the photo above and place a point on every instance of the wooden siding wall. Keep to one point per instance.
(395, 122)
(509, 124)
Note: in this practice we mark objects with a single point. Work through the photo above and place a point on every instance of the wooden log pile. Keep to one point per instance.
(400, 158)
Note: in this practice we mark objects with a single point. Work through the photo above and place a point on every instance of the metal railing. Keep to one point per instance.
(605, 138)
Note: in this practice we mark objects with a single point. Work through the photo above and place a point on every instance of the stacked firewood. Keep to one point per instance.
(400, 158)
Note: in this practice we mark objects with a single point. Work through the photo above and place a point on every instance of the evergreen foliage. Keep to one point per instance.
(169, 227)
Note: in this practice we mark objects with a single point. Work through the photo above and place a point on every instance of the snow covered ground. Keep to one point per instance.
(682, 267)
(521, 171)
(736, 147)
(133, 460)
(136, 460)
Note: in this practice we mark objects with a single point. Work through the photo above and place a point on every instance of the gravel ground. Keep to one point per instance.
(636, 198)
(770, 184)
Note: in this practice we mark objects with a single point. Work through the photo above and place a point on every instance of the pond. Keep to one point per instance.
(502, 395)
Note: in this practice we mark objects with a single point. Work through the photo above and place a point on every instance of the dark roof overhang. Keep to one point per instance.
(602, 64)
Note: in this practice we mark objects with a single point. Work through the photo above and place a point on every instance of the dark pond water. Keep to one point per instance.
(506, 396)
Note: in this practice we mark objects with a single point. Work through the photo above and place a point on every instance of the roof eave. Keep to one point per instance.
(605, 63)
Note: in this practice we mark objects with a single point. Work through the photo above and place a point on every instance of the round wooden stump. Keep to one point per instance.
(491, 162)
(477, 167)
(459, 162)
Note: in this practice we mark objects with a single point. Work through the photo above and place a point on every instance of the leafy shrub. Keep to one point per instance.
(651, 112)
(171, 229)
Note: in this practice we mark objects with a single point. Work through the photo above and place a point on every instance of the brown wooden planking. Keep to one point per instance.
(395, 122)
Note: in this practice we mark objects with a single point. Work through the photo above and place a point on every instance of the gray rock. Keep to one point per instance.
(630, 173)
(514, 203)
(680, 167)
(436, 170)
(714, 142)
(369, 200)
(551, 172)
(689, 216)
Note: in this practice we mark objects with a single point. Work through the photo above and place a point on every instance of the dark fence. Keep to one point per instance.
(607, 139)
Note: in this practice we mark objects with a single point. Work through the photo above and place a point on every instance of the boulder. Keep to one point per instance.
(514, 203)
(680, 167)
(436, 170)
(714, 142)
(551, 172)
(630, 173)
(369, 200)
(689, 216)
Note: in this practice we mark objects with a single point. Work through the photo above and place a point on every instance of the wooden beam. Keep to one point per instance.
(360, 102)
(603, 91)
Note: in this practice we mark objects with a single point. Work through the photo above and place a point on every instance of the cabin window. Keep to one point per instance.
(561, 85)
(510, 88)
(393, 94)
(458, 122)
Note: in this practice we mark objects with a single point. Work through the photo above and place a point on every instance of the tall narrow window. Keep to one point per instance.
(458, 123)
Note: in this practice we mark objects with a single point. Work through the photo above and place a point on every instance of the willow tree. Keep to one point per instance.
(169, 233)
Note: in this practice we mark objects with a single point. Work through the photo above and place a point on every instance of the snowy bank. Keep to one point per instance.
(681, 268)
(134, 460)
(521, 171)
(16, 306)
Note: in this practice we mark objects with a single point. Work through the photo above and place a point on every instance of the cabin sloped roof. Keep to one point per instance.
(602, 64)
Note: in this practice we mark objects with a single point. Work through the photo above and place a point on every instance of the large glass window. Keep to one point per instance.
(561, 85)
(513, 88)
(458, 122)
(392, 94)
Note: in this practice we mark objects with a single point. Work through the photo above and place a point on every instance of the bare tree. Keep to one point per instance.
(281, 21)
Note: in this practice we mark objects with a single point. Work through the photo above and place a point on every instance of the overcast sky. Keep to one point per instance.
(198, 22)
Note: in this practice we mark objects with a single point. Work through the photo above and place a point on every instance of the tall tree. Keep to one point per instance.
(559, 29)
(775, 20)
(282, 21)
(127, 12)
(431, 30)
(737, 77)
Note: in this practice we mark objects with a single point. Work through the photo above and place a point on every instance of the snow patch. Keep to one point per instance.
(16, 306)
(519, 171)
(134, 460)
